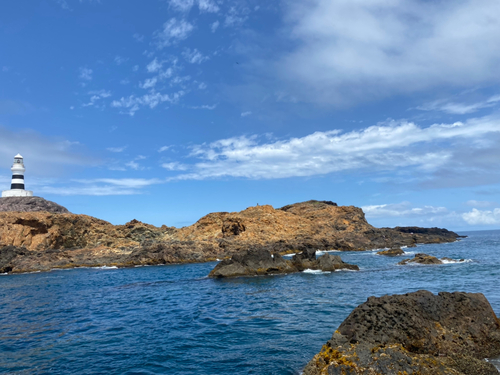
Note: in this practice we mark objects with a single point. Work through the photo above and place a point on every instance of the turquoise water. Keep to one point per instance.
(174, 320)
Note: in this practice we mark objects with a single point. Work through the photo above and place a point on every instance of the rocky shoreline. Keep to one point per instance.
(37, 240)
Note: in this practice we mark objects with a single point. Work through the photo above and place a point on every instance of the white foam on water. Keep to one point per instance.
(409, 253)
(316, 272)
(218, 260)
(6, 273)
(322, 252)
(106, 268)
(453, 261)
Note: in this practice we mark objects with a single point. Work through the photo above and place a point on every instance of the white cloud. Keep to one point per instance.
(348, 51)
(235, 16)
(181, 5)
(208, 6)
(149, 83)
(133, 165)
(95, 96)
(100, 187)
(117, 149)
(478, 217)
(138, 37)
(245, 114)
(202, 86)
(403, 209)
(173, 31)
(459, 108)
(163, 148)
(174, 166)
(194, 56)
(385, 147)
(154, 66)
(135, 68)
(214, 26)
(474, 203)
(205, 106)
(85, 73)
(120, 60)
(43, 156)
(133, 103)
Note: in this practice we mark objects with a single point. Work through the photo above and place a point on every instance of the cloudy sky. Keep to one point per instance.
(165, 110)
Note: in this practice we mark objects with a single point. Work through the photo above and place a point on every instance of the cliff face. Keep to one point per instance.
(60, 240)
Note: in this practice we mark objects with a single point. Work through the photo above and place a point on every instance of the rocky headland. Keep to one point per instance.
(415, 333)
(37, 237)
(262, 262)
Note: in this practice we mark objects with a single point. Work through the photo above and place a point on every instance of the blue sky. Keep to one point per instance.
(165, 110)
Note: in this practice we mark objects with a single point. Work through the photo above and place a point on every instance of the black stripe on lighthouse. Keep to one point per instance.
(17, 186)
(18, 177)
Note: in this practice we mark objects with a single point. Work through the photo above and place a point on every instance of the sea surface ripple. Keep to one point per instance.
(174, 320)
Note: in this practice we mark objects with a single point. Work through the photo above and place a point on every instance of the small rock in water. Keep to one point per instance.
(391, 252)
(422, 258)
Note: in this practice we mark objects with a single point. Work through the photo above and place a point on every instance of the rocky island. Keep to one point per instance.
(414, 333)
(39, 235)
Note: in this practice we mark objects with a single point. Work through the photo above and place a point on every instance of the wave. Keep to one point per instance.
(453, 261)
(316, 272)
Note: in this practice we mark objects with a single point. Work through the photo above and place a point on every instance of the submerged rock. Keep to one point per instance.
(391, 252)
(262, 262)
(422, 258)
(414, 333)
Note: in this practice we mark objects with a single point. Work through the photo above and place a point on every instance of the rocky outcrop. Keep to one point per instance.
(30, 204)
(391, 252)
(307, 226)
(415, 333)
(252, 263)
(422, 258)
(261, 262)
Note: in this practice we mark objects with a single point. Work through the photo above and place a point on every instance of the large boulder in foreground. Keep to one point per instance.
(30, 204)
(262, 262)
(415, 333)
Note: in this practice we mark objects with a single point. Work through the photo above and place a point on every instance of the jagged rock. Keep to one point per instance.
(421, 258)
(391, 252)
(252, 263)
(30, 204)
(306, 226)
(415, 333)
(261, 262)
(328, 262)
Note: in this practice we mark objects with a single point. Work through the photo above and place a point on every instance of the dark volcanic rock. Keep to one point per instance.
(332, 263)
(421, 258)
(252, 263)
(261, 262)
(391, 252)
(415, 333)
(30, 204)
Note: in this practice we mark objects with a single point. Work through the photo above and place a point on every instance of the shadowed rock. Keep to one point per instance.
(391, 252)
(421, 258)
(252, 263)
(261, 262)
(415, 333)
(30, 204)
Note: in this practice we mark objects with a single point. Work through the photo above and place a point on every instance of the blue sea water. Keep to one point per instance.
(174, 320)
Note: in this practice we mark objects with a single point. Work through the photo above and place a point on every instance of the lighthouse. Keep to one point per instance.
(17, 185)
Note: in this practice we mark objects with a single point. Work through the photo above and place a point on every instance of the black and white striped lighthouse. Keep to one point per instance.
(17, 184)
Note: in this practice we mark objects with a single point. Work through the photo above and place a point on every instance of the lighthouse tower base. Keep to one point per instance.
(16, 193)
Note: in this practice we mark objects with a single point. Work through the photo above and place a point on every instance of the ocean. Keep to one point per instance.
(174, 320)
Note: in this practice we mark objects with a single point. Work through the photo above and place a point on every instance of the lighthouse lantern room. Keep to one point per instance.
(17, 185)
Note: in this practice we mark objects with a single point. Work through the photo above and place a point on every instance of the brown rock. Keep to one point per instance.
(30, 204)
(415, 333)
(421, 258)
(391, 252)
